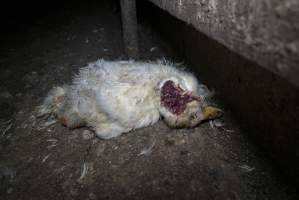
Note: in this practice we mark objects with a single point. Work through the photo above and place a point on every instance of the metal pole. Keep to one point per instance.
(129, 27)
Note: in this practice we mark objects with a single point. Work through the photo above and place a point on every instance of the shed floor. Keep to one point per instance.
(207, 162)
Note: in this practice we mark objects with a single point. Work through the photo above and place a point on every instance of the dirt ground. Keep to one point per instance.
(212, 161)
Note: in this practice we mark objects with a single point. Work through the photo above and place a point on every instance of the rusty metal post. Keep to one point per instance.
(129, 27)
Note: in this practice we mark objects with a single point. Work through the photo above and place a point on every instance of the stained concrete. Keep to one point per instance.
(264, 31)
(211, 161)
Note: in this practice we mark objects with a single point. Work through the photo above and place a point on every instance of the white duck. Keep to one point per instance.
(116, 97)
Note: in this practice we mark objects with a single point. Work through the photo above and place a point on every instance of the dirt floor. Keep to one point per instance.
(213, 161)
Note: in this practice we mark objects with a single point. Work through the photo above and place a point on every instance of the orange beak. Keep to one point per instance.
(211, 112)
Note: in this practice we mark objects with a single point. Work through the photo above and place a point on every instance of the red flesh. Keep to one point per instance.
(174, 98)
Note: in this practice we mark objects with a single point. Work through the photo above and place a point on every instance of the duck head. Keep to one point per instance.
(183, 108)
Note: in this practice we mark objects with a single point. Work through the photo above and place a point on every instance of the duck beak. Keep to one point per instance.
(210, 112)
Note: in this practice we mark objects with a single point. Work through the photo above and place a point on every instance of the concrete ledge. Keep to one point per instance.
(265, 104)
(265, 31)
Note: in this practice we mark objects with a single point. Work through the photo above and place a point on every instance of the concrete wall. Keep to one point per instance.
(264, 103)
(265, 31)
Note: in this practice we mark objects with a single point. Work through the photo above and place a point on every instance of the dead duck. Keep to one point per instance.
(114, 97)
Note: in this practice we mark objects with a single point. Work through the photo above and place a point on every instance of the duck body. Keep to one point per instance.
(113, 97)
